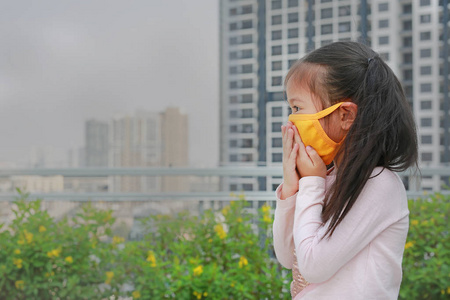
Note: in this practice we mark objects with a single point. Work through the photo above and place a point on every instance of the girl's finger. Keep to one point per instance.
(293, 156)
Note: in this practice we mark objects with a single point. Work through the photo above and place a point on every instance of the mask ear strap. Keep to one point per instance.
(319, 115)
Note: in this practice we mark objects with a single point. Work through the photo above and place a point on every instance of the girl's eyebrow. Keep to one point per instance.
(290, 100)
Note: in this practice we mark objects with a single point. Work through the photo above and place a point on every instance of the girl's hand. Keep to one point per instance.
(309, 163)
(290, 151)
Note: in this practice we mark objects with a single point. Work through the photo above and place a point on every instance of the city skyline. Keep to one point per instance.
(65, 63)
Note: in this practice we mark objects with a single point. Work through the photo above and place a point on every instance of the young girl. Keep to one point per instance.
(343, 230)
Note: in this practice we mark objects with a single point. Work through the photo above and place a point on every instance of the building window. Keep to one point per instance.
(233, 40)
(427, 156)
(292, 48)
(407, 41)
(276, 20)
(426, 122)
(277, 157)
(276, 127)
(247, 39)
(291, 62)
(233, 187)
(276, 80)
(292, 3)
(247, 113)
(276, 4)
(233, 55)
(425, 104)
(293, 18)
(276, 35)
(247, 24)
(407, 9)
(246, 157)
(277, 111)
(247, 143)
(233, 114)
(344, 11)
(233, 85)
(247, 187)
(277, 65)
(326, 29)
(426, 139)
(233, 99)
(247, 98)
(408, 91)
(248, 53)
(277, 142)
(233, 143)
(326, 13)
(383, 23)
(425, 53)
(276, 50)
(425, 36)
(424, 2)
(233, 129)
(233, 26)
(425, 18)
(247, 9)
(425, 87)
(247, 128)
(292, 33)
(383, 6)
(233, 70)
(407, 58)
(425, 70)
(247, 69)
(233, 158)
(383, 40)
(344, 27)
(247, 83)
(407, 25)
(407, 74)
(233, 11)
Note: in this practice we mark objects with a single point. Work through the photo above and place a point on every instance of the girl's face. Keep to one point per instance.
(302, 101)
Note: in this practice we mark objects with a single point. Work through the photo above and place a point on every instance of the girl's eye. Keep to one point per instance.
(295, 109)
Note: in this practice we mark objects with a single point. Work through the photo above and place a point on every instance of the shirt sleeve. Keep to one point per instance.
(283, 223)
(378, 206)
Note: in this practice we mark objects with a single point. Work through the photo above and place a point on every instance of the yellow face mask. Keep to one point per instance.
(313, 135)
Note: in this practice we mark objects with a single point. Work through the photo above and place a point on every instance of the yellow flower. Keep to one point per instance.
(232, 284)
(425, 222)
(210, 241)
(20, 242)
(414, 222)
(197, 294)
(28, 236)
(49, 274)
(243, 262)
(20, 284)
(239, 220)
(17, 262)
(109, 276)
(225, 210)
(205, 294)
(443, 292)
(267, 219)
(198, 271)
(136, 294)
(118, 240)
(42, 228)
(69, 259)
(265, 208)
(151, 258)
(409, 245)
(54, 253)
(17, 251)
(448, 290)
(220, 231)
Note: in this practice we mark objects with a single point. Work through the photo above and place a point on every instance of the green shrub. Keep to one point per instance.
(426, 261)
(223, 254)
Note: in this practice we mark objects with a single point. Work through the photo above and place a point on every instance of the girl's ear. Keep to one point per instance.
(347, 114)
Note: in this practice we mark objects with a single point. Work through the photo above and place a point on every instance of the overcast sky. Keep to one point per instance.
(62, 62)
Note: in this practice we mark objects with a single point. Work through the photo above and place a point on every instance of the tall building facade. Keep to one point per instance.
(96, 143)
(261, 39)
(149, 139)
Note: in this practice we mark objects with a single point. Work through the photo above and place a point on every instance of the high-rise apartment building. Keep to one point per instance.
(261, 39)
(149, 139)
(96, 143)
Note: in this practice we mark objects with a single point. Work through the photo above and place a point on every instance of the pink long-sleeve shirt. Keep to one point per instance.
(363, 257)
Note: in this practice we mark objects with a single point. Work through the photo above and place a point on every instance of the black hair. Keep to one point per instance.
(383, 133)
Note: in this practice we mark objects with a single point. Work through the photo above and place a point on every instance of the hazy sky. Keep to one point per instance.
(62, 62)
